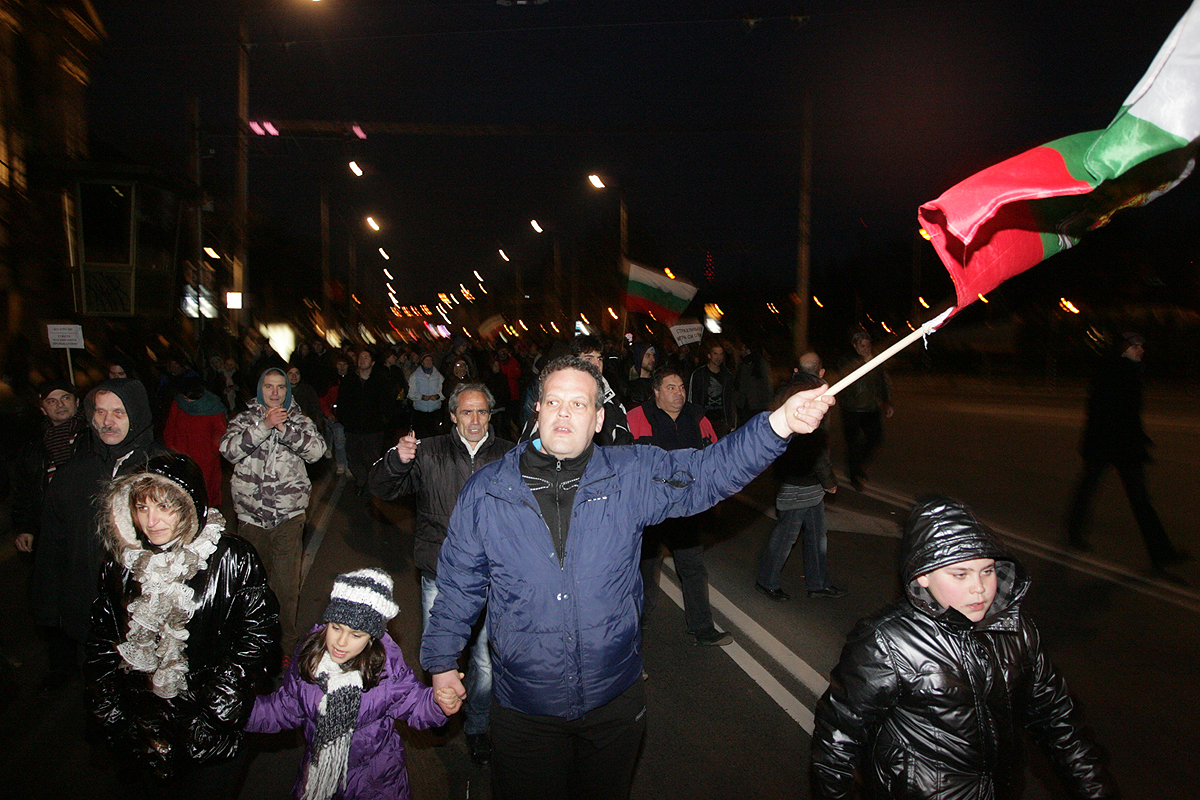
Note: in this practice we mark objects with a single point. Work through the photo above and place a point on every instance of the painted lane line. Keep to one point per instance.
(1104, 570)
(791, 705)
(321, 523)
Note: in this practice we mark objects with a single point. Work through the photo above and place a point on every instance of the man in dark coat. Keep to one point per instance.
(365, 402)
(1114, 435)
(435, 472)
(69, 553)
(668, 421)
(57, 440)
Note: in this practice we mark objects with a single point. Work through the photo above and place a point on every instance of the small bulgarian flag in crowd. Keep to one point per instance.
(653, 293)
(1009, 217)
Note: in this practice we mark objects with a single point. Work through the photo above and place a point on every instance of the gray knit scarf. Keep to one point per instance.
(337, 717)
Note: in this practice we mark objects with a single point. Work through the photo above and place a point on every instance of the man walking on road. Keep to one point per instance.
(549, 537)
(435, 470)
(712, 388)
(268, 445)
(66, 567)
(1114, 435)
(670, 422)
(864, 405)
(805, 475)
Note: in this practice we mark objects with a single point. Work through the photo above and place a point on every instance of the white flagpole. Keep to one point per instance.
(926, 329)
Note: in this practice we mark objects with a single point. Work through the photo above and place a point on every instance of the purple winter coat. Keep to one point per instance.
(376, 763)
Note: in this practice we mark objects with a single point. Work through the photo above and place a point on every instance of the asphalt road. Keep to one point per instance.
(734, 722)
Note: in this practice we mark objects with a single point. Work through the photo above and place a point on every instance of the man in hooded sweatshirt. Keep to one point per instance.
(930, 694)
(69, 553)
(268, 445)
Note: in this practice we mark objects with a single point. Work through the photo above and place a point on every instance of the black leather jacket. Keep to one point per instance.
(233, 641)
(435, 476)
(925, 703)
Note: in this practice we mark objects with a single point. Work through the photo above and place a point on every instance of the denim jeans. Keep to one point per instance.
(788, 527)
(479, 674)
(336, 441)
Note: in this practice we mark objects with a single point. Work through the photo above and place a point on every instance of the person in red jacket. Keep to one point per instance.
(195, 424)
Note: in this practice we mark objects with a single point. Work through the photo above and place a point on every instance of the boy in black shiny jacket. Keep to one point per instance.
(929, 694)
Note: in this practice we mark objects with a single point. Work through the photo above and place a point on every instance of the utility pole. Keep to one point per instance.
(241, 209)
(803, 245)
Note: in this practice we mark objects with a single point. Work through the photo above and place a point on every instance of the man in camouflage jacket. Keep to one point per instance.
(268, 445)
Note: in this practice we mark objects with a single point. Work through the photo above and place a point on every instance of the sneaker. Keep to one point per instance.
(832, 592)
(779, 595)
(713, 638)
(479, 748)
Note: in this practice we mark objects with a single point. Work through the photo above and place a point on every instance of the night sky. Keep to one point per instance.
(691, 108)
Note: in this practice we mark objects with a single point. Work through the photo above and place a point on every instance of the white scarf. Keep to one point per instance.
(158, 618)
(337, 718)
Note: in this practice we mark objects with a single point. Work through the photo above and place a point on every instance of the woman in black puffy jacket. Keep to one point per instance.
(183, 632)
(929, 694)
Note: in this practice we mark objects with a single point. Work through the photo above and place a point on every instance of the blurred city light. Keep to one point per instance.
(612, 313)
(535, 225)
(389, 275)
(356, 169)
(595, 179)
(281, 336)
(924, 233)
(383, 253)
(208, 251)
(669, 274)
(921, 300)
(233, 300)
(981, 297)
(478, 277)
(357, 131)
(374, 225)
(1067, 305)
(818, 302)
(504, 255)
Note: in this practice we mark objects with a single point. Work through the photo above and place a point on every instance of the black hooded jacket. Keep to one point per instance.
(69, 554)
(925, 703)
(232, 640)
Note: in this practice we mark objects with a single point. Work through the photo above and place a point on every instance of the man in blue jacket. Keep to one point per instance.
(563, 620)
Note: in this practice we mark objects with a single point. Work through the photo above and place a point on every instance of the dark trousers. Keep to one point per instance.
(682, 538)
(363, 450)
(1133, 478)
(863, 433)
(552, 758)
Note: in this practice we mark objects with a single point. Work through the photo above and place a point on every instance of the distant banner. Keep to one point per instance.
(687, 334)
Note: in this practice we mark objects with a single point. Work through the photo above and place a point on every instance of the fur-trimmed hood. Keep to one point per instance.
(116, 527)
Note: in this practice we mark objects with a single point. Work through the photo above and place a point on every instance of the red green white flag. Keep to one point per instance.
(653, 293)
(1011, 216)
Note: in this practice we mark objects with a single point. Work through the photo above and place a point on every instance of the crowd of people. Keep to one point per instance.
(188, 636)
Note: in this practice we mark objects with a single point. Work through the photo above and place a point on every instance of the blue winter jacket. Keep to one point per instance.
(566, 639)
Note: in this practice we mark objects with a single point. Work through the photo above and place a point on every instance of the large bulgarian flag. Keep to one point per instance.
(655, 294)
(1009, 217)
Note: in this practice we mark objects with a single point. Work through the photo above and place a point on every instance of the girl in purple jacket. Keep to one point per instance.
(347, 685)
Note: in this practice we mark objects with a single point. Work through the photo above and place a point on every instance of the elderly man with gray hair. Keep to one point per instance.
(435, 469)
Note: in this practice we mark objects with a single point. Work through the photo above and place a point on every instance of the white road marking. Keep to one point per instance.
(321, 523)
(792, 705)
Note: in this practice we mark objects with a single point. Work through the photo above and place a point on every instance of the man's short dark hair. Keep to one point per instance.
(586, 343)
(571, 362)
(462, 388)
(659, 375)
